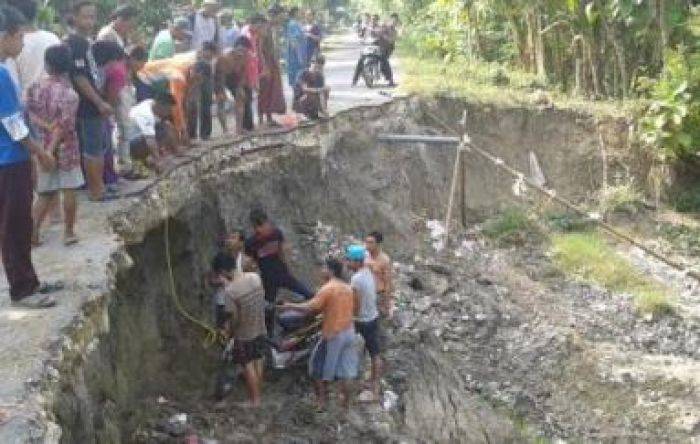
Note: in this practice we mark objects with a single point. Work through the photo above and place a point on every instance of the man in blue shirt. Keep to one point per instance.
(16, 149)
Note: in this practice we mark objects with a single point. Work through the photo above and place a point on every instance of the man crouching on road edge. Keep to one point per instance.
(335, 356)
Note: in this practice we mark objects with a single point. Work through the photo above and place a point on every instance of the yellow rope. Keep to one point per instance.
(212, 336)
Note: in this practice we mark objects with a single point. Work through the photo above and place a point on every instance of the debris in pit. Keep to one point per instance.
(390, 400)
(176, 425)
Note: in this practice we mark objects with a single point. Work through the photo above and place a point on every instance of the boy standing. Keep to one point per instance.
(93, 109)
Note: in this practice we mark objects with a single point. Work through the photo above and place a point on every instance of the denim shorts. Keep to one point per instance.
(335, 358)
(371, 334)
(91, 136)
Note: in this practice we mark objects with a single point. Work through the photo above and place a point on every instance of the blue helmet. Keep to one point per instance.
(355, 253)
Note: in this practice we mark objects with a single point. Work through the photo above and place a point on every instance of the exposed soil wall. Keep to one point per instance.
(133, 343)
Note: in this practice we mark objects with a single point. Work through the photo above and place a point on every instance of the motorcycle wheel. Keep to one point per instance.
(368, 73)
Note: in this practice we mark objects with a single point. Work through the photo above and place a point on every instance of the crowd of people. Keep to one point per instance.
(89, 109)
(95, 107)
(249, 271)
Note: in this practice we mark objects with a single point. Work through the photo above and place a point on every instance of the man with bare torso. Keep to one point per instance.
(382, 268)
(230, 72)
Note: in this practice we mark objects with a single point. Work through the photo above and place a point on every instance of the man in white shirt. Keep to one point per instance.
(120, 27)
(28, 67)
(150, 133)
(205, 25)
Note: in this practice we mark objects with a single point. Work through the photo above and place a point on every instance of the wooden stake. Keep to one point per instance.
(463, 189)
(453, 189)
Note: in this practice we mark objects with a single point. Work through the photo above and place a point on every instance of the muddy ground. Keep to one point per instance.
(489, 344)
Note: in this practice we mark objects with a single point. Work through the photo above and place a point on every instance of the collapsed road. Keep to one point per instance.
(490, 343)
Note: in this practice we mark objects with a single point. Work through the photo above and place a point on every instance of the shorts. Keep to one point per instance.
(335, 358)
(91, 136)
(57, 180)
(371, 334)
(245, 352)
(139, 142)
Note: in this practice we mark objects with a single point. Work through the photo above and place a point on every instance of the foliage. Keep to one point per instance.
(683, 237)
(622, 197)
(593, 49)
(671, 124)
(588, 257)
(509, 227)
(687, 200)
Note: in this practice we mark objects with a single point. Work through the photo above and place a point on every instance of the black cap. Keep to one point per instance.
(125, 12)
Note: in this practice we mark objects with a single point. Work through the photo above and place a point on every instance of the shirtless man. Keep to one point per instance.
(230, 72)
(382, 268)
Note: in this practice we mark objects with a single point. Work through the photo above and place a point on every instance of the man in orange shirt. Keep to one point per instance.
(382, 268)
(335, 356)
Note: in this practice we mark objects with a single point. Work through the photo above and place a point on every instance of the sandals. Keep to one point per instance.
(36, 301)
(70, 240)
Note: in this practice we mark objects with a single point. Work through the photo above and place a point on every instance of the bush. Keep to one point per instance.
(687, 201)
(510, 227)
(624, 197)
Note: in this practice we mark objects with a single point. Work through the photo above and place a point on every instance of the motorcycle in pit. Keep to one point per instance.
(295, 335)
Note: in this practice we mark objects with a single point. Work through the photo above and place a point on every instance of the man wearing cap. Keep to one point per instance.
(164, 44)
(366, 312)
(204, 24)
(120, 27)
(229, 32)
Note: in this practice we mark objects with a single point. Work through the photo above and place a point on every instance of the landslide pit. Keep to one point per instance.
(489, 345)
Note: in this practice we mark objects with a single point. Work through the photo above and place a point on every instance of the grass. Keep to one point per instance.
(625, 197)
(687, 201)
(509, 227)
(590, 258)
(490, 83)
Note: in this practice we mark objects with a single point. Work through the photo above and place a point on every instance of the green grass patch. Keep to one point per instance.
(511, 227)
(490, 83)
(589, 257)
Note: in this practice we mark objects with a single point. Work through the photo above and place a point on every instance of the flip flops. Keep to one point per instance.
(36, 301)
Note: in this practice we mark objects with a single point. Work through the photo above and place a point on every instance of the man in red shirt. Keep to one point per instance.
(267, 247)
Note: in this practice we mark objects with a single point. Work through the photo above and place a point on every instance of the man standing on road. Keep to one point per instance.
(163, 46)
(334, 357)
(29, 65)
(384, 36)
(93, 109)
(380, 264)
(119, 29)
(16, 149)
(205, 35)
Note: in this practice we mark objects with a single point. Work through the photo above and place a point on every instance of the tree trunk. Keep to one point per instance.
(540, 49)
(619, 48)
(531, 30)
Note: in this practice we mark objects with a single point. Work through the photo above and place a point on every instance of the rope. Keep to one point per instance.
(552, 194)
(212, 336)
